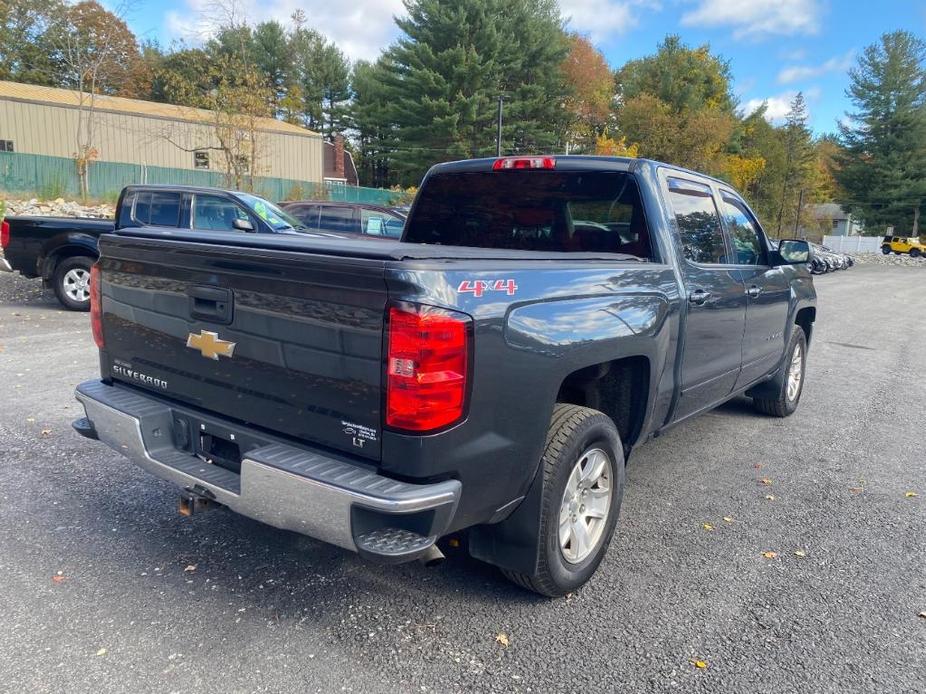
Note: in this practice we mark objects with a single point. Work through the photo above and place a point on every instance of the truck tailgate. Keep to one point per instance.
(287, 341)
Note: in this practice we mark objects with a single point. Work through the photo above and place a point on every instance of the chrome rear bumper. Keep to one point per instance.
(296, 489)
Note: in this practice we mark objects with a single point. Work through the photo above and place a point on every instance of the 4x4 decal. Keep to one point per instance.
(479, 287)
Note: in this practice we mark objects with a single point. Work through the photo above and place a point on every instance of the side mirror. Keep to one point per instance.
(243, 225)
(794, 252)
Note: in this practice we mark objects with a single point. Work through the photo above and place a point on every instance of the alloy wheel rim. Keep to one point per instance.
(77, 284)
(585, 506)
(795, 372)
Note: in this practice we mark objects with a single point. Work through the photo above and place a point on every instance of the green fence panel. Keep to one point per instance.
(51, 177)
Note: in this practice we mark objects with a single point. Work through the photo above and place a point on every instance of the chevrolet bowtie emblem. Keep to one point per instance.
(209, 345)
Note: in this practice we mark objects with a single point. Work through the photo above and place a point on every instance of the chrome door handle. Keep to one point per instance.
(698, 297)
(754, 291)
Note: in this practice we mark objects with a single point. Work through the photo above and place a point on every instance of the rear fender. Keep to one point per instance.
(68, 246)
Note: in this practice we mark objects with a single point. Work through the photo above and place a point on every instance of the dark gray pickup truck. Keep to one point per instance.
(492, 371)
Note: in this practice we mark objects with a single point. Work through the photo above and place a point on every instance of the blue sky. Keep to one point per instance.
(776, 47)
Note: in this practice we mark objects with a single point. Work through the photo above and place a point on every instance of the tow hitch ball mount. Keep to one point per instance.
(196, 499)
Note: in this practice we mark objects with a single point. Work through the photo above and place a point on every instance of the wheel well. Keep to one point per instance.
(618, 388)
(62, 253)
(805, 318)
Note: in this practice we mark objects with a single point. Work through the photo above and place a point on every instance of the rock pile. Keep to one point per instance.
(56, 208)
(879, 259)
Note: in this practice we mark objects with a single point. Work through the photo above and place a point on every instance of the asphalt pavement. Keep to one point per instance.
(778, 555)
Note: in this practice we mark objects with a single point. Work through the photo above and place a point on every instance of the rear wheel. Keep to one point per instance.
(72, 283)
(583, 483)
(790, 381)
(886, 250)
(915, 252)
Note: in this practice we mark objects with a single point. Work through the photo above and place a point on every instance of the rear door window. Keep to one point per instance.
(698, 222)
(307, 214)
(552, 211)
(157, 208)
(337, 219)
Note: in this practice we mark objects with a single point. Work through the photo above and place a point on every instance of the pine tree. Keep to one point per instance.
(369, 120)
(883, 169)
(799, 154)
(456, 58)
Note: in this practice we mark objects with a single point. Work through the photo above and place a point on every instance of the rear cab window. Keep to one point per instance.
(552, 211)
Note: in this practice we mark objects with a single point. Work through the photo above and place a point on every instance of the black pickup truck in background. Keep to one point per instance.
(490, 372)
(61, 250)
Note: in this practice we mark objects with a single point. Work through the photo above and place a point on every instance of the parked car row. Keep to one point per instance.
(823, 260)
(61, 250)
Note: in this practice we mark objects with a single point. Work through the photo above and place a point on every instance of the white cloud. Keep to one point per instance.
(601, 20)
(780, 104)
(797, 73)
(778, 107)
(361, 28)
(757, 18)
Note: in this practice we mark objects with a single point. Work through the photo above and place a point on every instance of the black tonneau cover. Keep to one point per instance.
(359, 247)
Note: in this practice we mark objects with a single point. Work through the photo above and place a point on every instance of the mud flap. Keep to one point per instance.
(513, 543)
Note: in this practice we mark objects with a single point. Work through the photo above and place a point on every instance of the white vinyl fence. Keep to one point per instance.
(853, 244)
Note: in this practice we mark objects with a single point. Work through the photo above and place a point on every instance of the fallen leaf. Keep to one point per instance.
(910, 495)
(728, 519)
(769, 555)
(502, 638)
(856, 490)
(46, 433)
(800, 553)
(58, 578)
(102, 651)
(707, 526)
(766, 481)
(770, 497)
(190, 568)
(700, 664)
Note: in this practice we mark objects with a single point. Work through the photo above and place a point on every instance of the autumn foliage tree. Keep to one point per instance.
(677, 106)
(588, 102)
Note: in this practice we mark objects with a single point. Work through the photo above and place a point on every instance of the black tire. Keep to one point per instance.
(886, 250)
(65, 292)
(915, 253)
(573, 432)
(781, 405)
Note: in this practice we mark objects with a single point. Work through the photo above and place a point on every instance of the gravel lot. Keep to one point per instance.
(145, 600)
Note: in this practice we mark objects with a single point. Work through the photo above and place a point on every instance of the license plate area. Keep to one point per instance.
(213, 442)
(220, 451)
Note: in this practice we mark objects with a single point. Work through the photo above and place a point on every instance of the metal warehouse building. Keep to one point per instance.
(43, 121)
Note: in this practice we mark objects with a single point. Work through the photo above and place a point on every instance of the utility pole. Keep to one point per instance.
(498, 136)
(800, 204)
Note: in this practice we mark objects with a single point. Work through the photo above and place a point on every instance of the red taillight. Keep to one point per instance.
(426, 367)
(4, 233)
(96, 306)
(515, 163)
